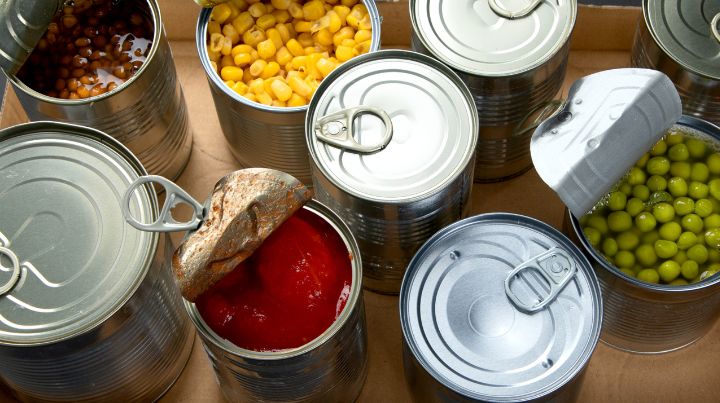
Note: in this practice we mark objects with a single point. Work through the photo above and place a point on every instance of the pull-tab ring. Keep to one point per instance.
(165, 221)
(503, 12)
(555, 266)
(714, 26)
(15, 274)
(337, 129)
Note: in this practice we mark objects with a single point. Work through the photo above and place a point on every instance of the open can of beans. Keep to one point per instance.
(392, 138)
(89, 310)
(110, 68)
(262, 70)
(498, 308)
(513, 61)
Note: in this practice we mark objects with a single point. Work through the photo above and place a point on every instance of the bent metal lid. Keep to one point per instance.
(493, 37)
(69, 261)
(501, 307)
(392, 126)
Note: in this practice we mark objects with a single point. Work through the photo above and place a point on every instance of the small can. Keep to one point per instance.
(260, 135)
(654, 318)
(330, 368)
(409, 173)
(513, 61)
(498, 308)
(88, 305)
(147, 113)
(681, 39)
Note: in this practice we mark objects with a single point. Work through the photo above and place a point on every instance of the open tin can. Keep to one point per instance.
(88, 305)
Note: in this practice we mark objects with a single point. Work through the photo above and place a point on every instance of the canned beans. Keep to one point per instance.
(277, 52)
(96, 46)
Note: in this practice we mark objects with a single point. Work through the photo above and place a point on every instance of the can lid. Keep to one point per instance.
(391, 125)
(62, 224)
(688, 32)
(493, 37)
(22, 25)
(501, 307)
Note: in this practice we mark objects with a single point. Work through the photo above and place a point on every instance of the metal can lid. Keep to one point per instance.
(22, 24)
(687, 31)
(422, 135)
(501, 307)
(79, 261)
(479, 37)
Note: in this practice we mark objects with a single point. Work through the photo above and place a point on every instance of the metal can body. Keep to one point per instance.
(675, 39)
(22, 24)
(260, 135)
(331, 368)
(147, 113)
(114, 328)
(651, 318)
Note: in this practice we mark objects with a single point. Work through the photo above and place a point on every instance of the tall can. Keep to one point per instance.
(89, 309)
(498, 308)
(682, 40)
(260, 135)
(147, 113)
(330, 368)
(392, 138)
(642, 317)
(513, 61)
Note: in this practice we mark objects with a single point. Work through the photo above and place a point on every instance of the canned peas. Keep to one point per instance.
(277, 52)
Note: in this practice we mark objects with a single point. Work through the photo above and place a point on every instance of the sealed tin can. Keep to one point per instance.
(261, 135)
(89, 309)
(681, 39)
(392, 138)
(330, 368)
(513, 61)
(654, 318)
(147, 113)
(498, 308)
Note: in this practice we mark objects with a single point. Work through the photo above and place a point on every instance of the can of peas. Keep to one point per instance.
(264, 61)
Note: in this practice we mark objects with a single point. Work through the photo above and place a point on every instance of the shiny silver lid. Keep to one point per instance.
(466, 308)
(60, 192)
(687, 31)
(391, 126)
(482, 37)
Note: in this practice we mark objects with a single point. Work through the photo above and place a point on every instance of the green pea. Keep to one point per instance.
(670, 231)
(598, 222)
(680, 169)
(677, 186)
(665, 249)
(645, 254)
(713, 163)
(680, 257)
(697, 190)
(696, 147)
(686, 240)
(698, 253)
(659, 148)
(712, 221)
(684, 205)
(626, 188)
(669, 271)
(703, 207)
(656, 183)
(674, 137)
(712, 238)
(699, 172)
(650, 237)
(610, 247)
(628, 272)
(642, 161)
(624, 259)
(716, 204)
(645, 222)
(619, 221)
(658, 166)
(679, 281)
(649, 276)
(692, 223)
(678, 152)
(714, 188)
(689, 269)
(634, 206)
(617, 200)
(627, 240)
(714, 256)
(636, 176)
(663, 212)
(642, 192)
(592, 235)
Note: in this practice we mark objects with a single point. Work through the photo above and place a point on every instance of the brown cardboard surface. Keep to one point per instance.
(688, 375)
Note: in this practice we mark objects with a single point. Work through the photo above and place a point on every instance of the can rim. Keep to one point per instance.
(350, 242)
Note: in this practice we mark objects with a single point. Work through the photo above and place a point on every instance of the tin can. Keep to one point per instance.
(681, 39)
(89, 309)
(147, 113)
(498, 308)
(410, 171)
(331, 368)
(513, 61)
(654, 318)
(260, 135)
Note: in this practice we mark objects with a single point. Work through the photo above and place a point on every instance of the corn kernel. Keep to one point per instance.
(300, 87)
(220, 13)
(253, 36)
(296, 100)
(264, 98)
(267, 85)
(257, 67)
(353, 19)
(269, 8)
(362, 35)
(294, 73)
(331, 2)
(226, 61)
(312, 10)
(280, 4)
(348, 3)
(311, 69)
(266, 21)
(324, 37)
(295, 10)
(242, 59)
(335, 22)
(365, 23)
(229, 83)
(275, 37)
(363, 47)
(343, 33)
(250, 96)
(216, 42)
(214, 27)
(302, 26)
(243, 22)
(271, 69)
(266, 49)
(295, 47)
(325, 66)
(242, 5)
(360, 7)
(279, 104)
(305, 39)
(282, 91)
(342, 12)
(345, 53)
(240, 87)
(229, 31)
(227, 46)
(247, 77)
(299, 63)
(234, 12)
(284, 32)
(257, 86)
(283, 56)
(231, 73)
(213, 55)
(241, 48)
(313, 83)
(257, 10)
(281, 16)
(348, 42)
(321, 23)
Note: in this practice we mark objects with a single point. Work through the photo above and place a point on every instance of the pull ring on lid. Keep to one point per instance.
(337, 129)
(165, 221)
(15, 275)
(503, 12)
(714, 26)
(554, 265)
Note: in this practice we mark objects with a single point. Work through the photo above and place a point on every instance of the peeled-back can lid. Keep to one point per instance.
(391, 126)
(688, 32)
(493, 37)
(69, 260)
(501, 307)
(22, 24)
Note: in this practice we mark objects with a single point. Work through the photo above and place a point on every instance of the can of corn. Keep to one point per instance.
(262, 135)
(147, 113)
(513, 61)
(392, 139)
(330, 368)
(498, 308)
(88, 305)
(682, 40)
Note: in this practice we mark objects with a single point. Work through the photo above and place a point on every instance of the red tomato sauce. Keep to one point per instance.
(287, 293)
